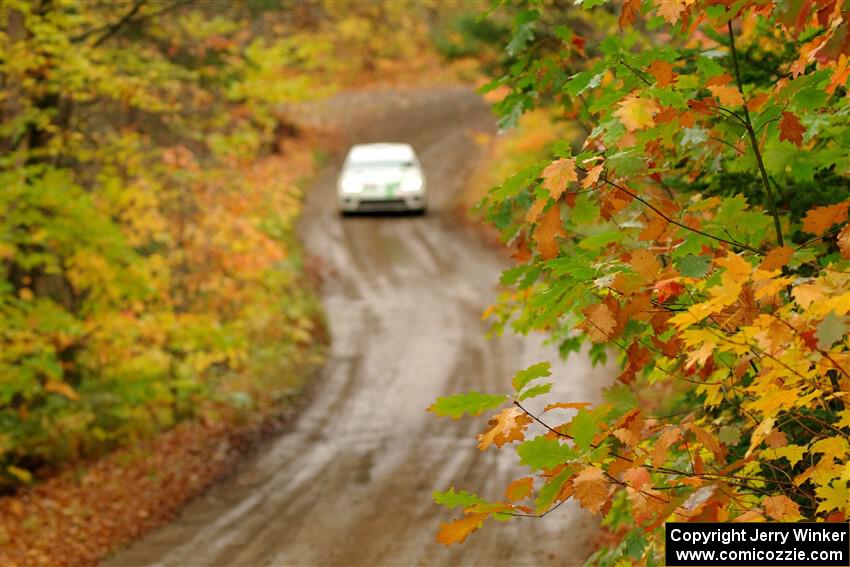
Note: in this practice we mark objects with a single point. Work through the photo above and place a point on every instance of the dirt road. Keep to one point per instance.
(351, 484)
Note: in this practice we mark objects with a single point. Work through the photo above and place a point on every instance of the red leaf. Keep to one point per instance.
(668, 288)
(790, 129)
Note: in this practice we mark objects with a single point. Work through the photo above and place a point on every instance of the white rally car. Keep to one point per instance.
(381, 177)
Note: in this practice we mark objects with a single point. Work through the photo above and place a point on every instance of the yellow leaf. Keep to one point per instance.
(63, 388)
(794, 453)
(760, 433)
(558, 175)
(770, 403)
(831, 447)
(591, 488)
(834, 497)
(727, 95)
(806, 294)
(637, 113)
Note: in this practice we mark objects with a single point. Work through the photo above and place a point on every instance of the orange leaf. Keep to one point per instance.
(566, 405)
(757, 101)
(703, 106)
(710, 442)
(458, 530)
(631, 8)
(637, 113)
(507, 425)
(548, 229)
(844, 242)
(670, 10)
(668, 288)
(662, 446)
(727, 95)
(591, 488)
(776, 258)
(600, 322)
(782, 508)
(519, 488)
(535, 210)
(645, 263)
(592, 176)
(637, 477)
(790, 129)
(819, 219)
(662, 72)
(557, 176)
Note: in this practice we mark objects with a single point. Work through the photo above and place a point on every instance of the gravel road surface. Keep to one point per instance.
(351, 483)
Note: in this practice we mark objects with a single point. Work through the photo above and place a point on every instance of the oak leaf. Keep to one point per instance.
(790, 129)
(506, 426)
(558, 175)
(820, 219)
(637, 113)
(727, 95)
(548, 229)
(591, 488)
(566, 405)
(519, 489)
(458, 530)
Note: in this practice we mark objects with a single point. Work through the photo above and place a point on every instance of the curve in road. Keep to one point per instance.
(351, 484)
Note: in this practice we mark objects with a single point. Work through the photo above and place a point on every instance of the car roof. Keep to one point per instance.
(381, 152)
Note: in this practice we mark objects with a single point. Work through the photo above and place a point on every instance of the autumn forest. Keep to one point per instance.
(627, 304)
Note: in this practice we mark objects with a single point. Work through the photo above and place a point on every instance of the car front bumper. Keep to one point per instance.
(350, 203)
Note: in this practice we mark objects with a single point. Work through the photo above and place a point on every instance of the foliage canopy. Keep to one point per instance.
(697, 230)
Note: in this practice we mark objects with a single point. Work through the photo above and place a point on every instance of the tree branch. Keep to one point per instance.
(749, 125)
(672, 220)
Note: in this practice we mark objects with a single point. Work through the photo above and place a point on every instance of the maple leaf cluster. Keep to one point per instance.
(727, 304)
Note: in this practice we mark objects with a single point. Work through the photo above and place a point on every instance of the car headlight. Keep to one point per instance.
(350, 185)
(411, 183)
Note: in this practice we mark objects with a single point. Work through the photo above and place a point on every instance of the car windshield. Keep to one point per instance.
(380, 164)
